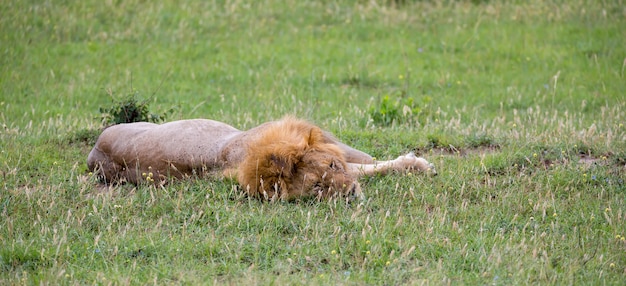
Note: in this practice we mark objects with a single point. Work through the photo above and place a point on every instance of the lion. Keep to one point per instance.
(279, 160)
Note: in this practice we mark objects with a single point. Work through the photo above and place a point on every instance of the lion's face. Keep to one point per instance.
(292, 162)
(319, 172)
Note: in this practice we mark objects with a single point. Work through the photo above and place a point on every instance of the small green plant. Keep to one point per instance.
(386, 113)
(400, 110)
(130, 109)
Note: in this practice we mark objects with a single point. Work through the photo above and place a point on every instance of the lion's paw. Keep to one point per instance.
(412, 162)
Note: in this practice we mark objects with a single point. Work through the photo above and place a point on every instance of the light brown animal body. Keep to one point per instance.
(283, 159)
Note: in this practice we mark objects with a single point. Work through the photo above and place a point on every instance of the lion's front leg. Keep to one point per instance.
(404, 163)
(411, 162)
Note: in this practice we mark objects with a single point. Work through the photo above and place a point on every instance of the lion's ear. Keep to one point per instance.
(315, 136)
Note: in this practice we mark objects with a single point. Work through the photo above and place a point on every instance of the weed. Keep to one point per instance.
(129, 109)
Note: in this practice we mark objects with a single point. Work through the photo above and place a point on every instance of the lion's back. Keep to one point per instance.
(193, 143)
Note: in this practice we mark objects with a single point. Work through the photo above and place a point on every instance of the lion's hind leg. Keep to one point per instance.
(101, 165)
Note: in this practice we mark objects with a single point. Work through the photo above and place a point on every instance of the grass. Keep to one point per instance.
(519, 105)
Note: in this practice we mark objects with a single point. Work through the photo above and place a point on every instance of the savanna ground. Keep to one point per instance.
(520, 106)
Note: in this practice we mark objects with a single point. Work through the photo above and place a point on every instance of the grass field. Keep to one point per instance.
(521, 106)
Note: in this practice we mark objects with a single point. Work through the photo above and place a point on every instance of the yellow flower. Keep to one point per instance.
(367, 252)
(400, 76)
(387, 263)
(333, 252)
(612, 265)
(367, 242)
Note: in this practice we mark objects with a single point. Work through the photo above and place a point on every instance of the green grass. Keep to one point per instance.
(519, 105)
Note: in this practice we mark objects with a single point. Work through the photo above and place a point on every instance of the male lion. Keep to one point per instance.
(283, 159)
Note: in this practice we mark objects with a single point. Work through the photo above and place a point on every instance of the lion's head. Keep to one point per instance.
(290, 159)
